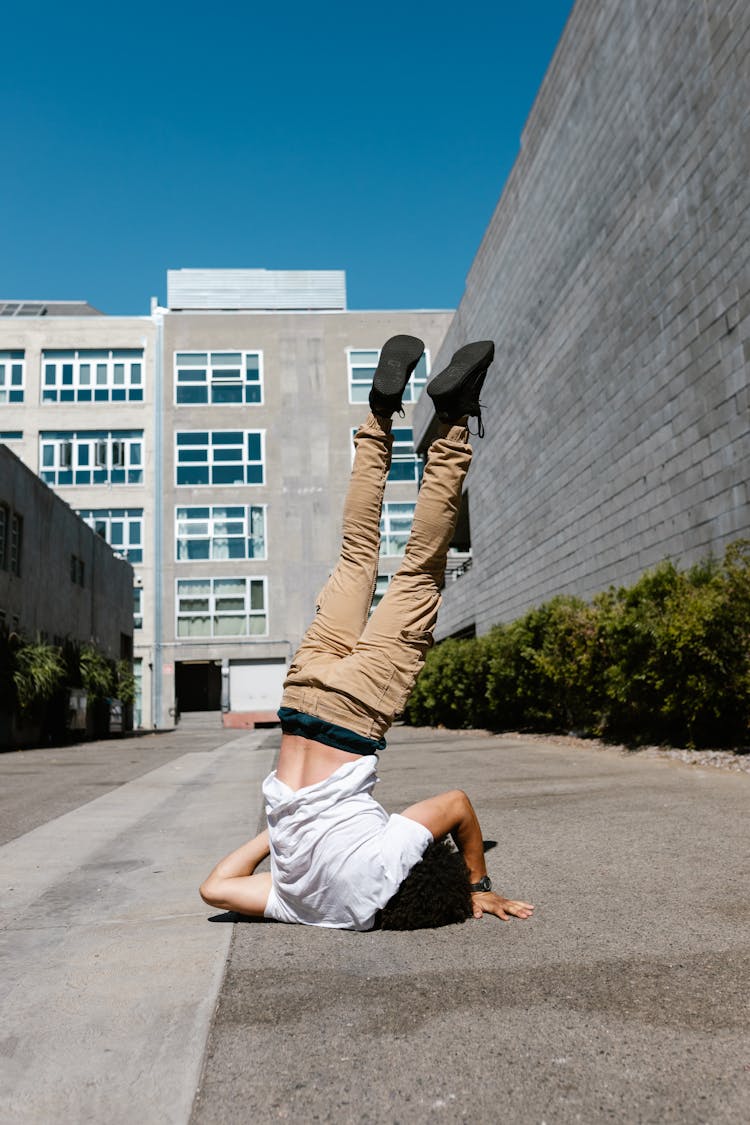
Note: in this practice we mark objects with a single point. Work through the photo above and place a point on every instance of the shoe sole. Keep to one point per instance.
(398, 358)
(468, 361)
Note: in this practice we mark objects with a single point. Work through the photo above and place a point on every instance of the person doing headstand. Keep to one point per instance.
(337, 858)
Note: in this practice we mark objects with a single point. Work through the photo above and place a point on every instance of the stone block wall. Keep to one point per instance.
(615, 279)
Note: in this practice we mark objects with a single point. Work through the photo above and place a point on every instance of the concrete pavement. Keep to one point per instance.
(110, 971)
(624, 998)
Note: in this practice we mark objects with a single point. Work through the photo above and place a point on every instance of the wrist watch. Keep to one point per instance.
(484, 884)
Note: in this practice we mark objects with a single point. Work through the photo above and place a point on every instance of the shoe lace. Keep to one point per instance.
(480, 424)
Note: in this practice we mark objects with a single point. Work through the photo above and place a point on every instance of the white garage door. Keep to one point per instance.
(255, 685)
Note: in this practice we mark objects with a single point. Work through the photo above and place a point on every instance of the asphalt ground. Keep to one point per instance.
(624, 998)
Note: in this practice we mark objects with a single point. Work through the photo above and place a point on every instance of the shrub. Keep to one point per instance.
(666, 659)
(451, 688)
(543, 670)
(38, 673)
(630, 627)
(125, 687)
(97, 673)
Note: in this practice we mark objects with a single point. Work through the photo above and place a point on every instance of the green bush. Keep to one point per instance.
(542, 668)
(125, 687)
(666, 659)
(450, 690)
(630, 631)
(97, 673)
(38, 673)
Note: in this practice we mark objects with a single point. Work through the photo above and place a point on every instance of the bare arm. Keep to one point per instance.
(453, 813)
(233, 884)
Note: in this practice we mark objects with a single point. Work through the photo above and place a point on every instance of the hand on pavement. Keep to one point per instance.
(487, 902)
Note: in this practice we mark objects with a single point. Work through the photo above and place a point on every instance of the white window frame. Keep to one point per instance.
(99, 519)
(388, 533)
(404, 453)
(217, 374)
(182, 532)
(12, 377)
(359, 385)
(212, 599)
(106, 451)
(95, 375)
(212, 462)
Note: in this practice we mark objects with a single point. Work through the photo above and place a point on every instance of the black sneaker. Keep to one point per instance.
(455, 391)
(398, 358)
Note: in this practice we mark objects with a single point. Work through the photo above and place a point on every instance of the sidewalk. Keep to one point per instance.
(110, 971)
(623, 999)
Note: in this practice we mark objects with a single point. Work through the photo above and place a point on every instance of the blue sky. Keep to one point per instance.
(141, 137)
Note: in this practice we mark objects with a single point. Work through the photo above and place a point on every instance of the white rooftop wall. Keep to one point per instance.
(256, 289)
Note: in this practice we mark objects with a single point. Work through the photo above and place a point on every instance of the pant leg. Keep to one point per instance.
(365, 690)
(344, 601)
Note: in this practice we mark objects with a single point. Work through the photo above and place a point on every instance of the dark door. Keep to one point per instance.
(198, 686)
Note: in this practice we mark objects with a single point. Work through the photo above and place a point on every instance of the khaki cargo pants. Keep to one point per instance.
(359, 673)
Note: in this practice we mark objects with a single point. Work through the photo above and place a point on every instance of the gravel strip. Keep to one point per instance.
(719, 759)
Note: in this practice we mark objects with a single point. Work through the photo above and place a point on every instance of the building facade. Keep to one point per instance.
(614, 278)
(210, 443)
(58, 579)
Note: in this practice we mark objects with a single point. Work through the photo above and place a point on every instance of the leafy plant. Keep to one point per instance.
(451, 688)
(38, 672)
(666, 659)
(125, 686)
(97, 673)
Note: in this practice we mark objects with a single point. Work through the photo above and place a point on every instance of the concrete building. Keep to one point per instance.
(615, 279)
(76, 406)
(58, 579)
(218, 465)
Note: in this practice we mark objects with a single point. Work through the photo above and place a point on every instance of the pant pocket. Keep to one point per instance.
(366, 680)
(408, 663)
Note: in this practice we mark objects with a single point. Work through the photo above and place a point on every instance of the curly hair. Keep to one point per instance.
(436, 892)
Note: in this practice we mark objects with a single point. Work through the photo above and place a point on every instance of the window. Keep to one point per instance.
(221, 607)
(395, 525)
(362, 366)
(4, 524)
(137, 607)
(91, 457)
(11, 435)
(221, 532)
(77, 570)
(16, 538)
(12, 372)
(138, 701)
(381, 585)
(122, 528)
(93, 375)
(405, 464)
(220, 457)
(218, 377)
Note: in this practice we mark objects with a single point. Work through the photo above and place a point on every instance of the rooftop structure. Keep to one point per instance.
(265, 290)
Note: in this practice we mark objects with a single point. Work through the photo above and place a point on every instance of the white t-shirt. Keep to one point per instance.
(337, 856)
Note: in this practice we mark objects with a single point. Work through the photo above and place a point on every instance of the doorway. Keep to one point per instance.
(198, 685)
